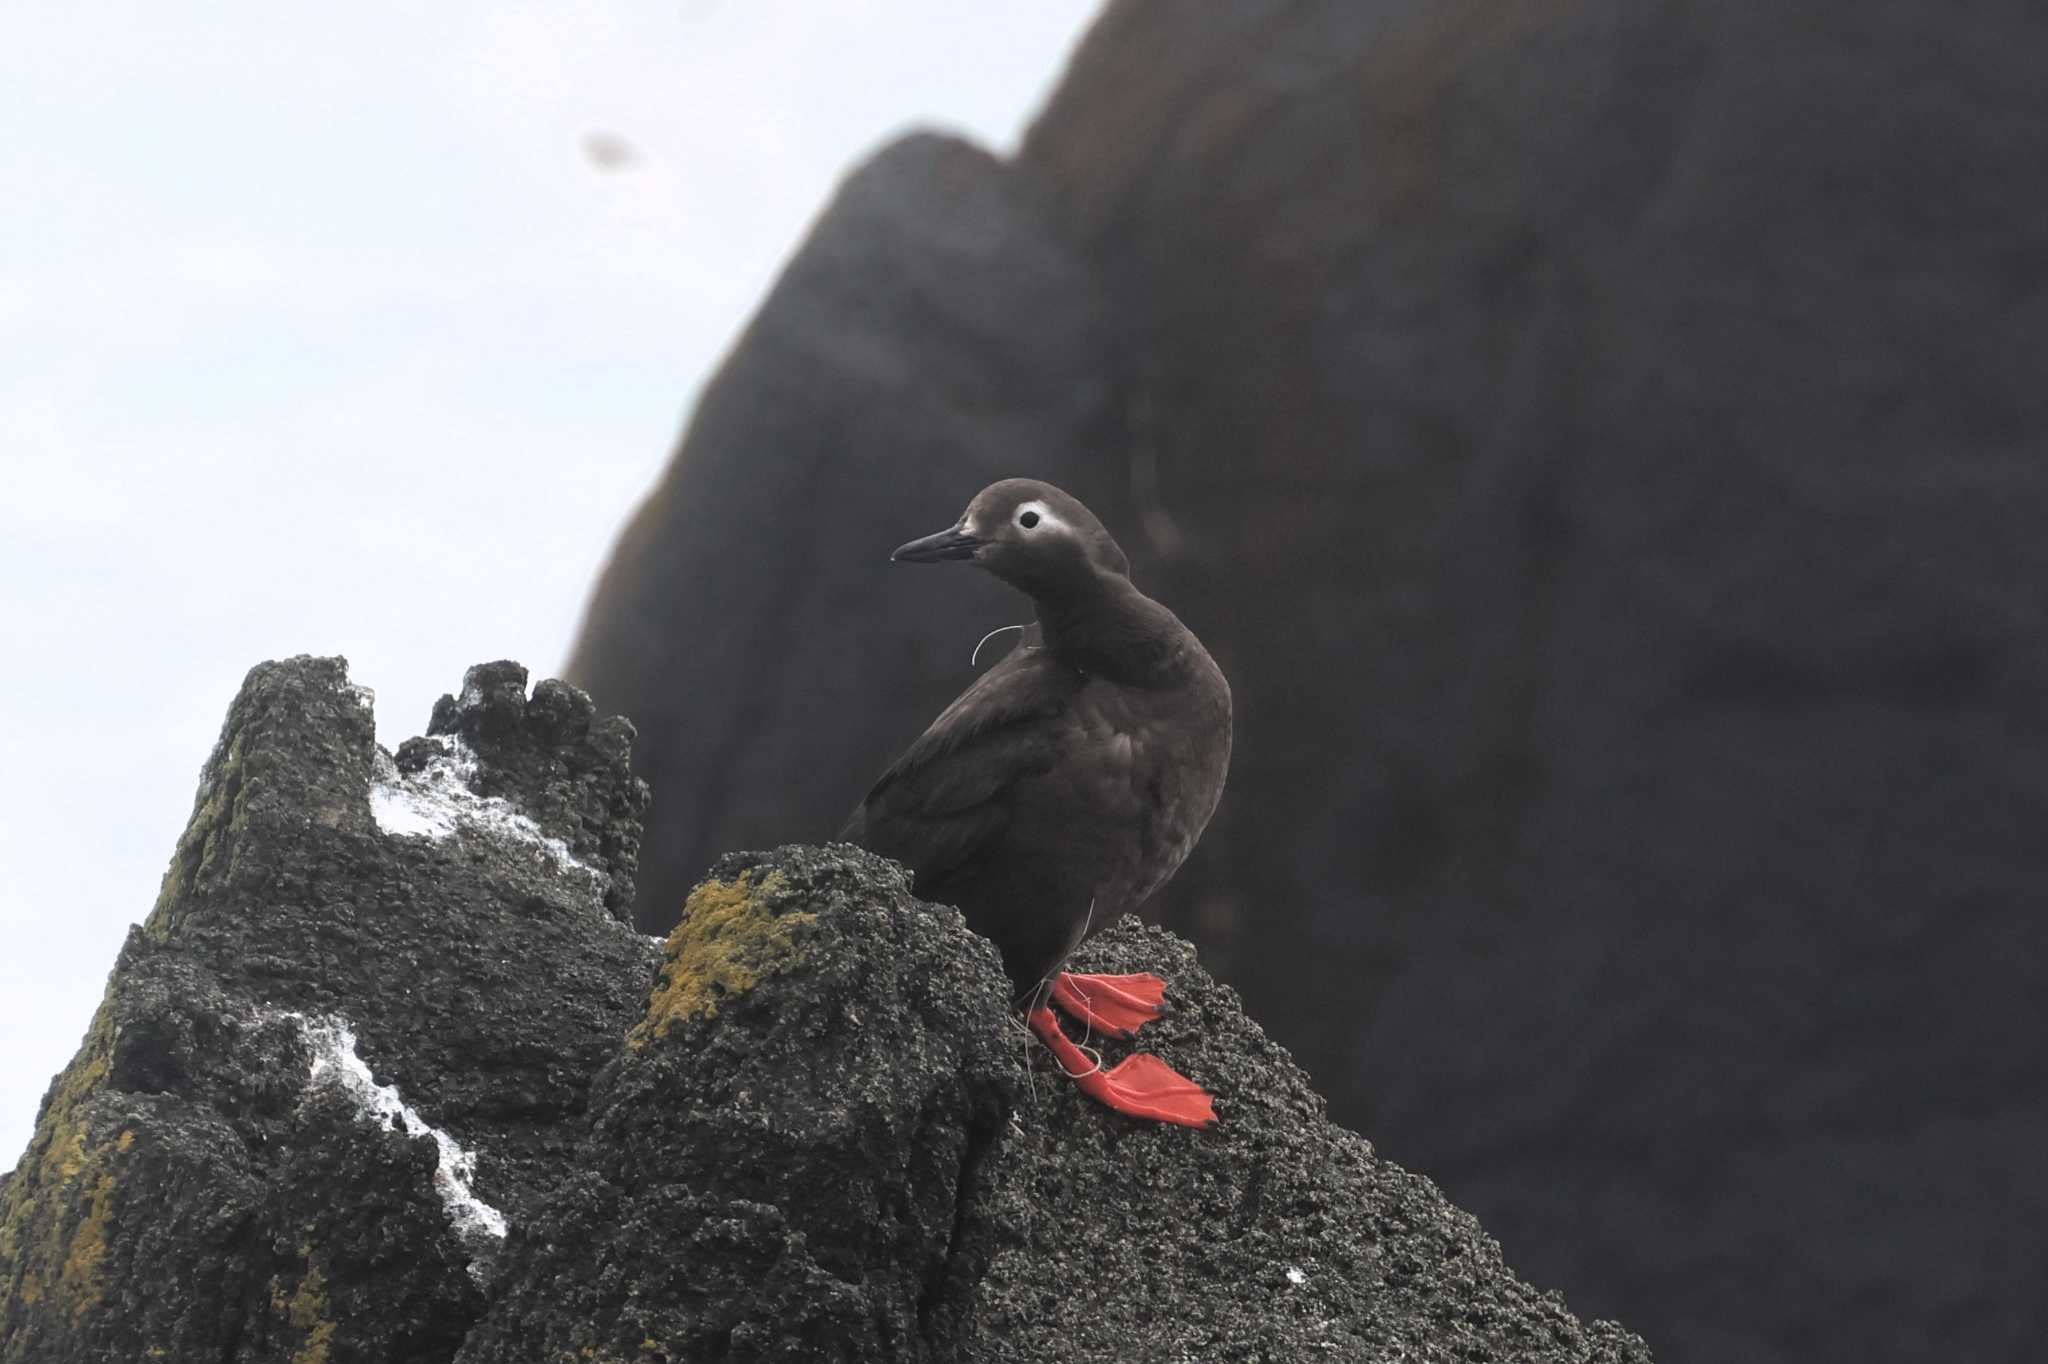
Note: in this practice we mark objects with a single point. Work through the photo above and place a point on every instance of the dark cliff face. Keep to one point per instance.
(1600, 442)
(382, 1079)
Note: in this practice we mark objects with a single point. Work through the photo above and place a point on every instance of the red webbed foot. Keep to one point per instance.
(1115, 1006)
(1141, 1086)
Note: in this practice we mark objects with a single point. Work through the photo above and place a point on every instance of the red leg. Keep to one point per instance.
(1142, 1086)
(1116, 1006)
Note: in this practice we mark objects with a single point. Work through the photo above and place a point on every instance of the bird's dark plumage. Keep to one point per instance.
(1071, 780)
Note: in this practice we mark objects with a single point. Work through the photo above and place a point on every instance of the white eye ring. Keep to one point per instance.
(1041, 516)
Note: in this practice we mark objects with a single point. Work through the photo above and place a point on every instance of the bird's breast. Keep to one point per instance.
(1147, 779)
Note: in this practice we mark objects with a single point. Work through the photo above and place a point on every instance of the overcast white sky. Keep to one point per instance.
(320, 332)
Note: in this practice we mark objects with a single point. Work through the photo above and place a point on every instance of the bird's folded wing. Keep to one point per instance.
(949, 794)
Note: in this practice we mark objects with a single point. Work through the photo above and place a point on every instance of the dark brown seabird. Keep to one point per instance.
(1068, 783)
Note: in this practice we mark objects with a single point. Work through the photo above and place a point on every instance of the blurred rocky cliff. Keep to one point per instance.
(384, 1078)
(1601, 440)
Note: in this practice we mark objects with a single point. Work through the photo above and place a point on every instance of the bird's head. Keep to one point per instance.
(1031, 535)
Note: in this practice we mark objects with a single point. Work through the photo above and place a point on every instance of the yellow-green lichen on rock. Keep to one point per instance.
(215, 816)
(82, 1281)
(305, 1307)
(730, 937)
(56, 1239)
(56, 1210)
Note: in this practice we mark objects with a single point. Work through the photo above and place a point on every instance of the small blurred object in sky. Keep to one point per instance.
(609, 152)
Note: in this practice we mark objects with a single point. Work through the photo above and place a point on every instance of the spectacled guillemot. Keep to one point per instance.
(1068, 783)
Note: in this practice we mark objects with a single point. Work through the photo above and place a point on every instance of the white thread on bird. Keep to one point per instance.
(1045, 981)
(1088, 1023)
(1087, 1051)
(1031, 1039)
(975, 657)
(1041, 994)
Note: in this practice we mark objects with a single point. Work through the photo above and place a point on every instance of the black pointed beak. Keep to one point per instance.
(953, 543)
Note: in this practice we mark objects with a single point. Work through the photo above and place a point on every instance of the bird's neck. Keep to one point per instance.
(1113, 630)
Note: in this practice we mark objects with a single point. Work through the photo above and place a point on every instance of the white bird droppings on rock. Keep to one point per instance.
(437, 800)
(335, 1062)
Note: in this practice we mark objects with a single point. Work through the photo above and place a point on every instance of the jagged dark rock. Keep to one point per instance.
(190, 1193)
(570, 769)
(782, 1151)
(811, 1131)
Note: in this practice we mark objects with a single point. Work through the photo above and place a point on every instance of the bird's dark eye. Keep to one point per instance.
(1028, 519)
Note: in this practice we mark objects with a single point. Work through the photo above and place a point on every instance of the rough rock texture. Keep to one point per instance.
(811, 1131)
(194, 1189)
(568, 774)
(1601, 442)
(781, 1165)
